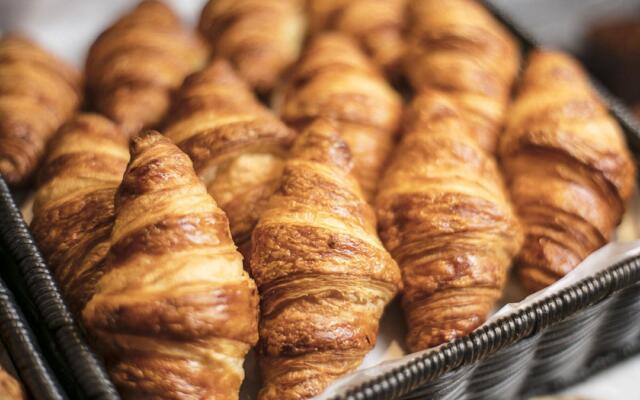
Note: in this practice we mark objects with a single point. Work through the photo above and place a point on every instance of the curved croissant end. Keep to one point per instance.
(335, 80)
(237, 145)
(73, 208)
(457, 46)
(445, 217)
(133, 66)
(175, 313)
(323, 274)
(38, 92)
(567, 167)
(261, 38)
(378, 26)
(10, 388)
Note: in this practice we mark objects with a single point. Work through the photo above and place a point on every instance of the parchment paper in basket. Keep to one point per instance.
(389, 352)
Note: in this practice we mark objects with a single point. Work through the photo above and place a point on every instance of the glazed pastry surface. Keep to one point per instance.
(38, 92)
(335, 80)
(322, 273)
(237, 145)
(134, 66)
(378, 26)
(445, 217)
(73, 207)
(175, 313)
(458, 47)
(567, 167)
(261, 38)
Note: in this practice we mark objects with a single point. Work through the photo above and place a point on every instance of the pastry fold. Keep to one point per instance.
(134, 66)
(237, 145)
(378, 26)
(73, 207)
(335, 80)
(567, 167)
(323, 275)
(174, 313)
(445, 217)
(38, 92)
(457, 46)
(261, 38)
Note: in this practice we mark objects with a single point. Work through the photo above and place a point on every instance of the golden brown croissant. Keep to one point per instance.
(323, 275)
(377, 24)
(445, 217)
(73, 208)
(567, 167)
(38, 93)
(261, 38)
(10, 388)
(458, 47)
(175, 313)
(237, 145)
(133, 66)
(335, 80)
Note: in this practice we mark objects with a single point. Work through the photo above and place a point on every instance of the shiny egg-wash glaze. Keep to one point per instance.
(445, 217)
(133, 66)
(457, 46)
(323, 275)
(175, 313)
(73, 207)
(237, 145)
(378, 25)
(334, 79)
(567, 167)
(261, 38)
(38, 93)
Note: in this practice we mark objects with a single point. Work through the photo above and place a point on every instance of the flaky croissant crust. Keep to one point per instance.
(567, 166)
(175, 313)
(445, 217)
(38, 92)
(323, 275)
(133, 67)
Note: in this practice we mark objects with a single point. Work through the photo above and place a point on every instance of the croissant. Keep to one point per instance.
(175, 313)
(335, 80)
(73, 206)
(10, 388)
(237, 145)
(323, 275)
(445, 217)
(38, 92)
(458, 47)
(377, 24)
(133, 66)
(567, 167)
(262, 38)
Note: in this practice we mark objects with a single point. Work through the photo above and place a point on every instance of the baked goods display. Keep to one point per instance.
(237, 145)
(38, 92)
(334, 79)
(291, 227)
(457, 46)
(174, 313)
(10, 388)
(261, 38)
(133, 66)
(73, 206)
(378, 25)
(567, 167)
(445, 217)
(323, 275)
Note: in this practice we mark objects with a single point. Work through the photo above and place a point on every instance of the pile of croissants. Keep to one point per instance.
(291, 227)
